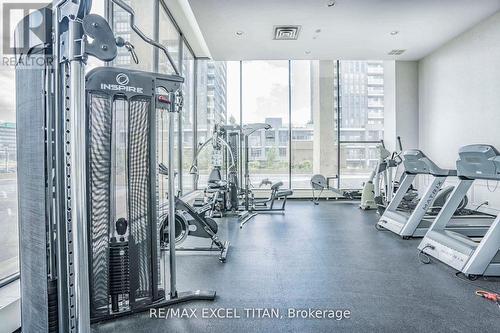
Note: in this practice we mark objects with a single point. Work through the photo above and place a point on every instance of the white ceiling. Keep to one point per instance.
(352, 29)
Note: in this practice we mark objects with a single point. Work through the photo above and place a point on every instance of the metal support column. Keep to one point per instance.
(289, 124)
(78, 195)
(171, 200)
(339, 117)
(195, 119)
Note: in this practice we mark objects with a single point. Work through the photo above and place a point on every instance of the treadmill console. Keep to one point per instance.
(415, 162)
(478, 162)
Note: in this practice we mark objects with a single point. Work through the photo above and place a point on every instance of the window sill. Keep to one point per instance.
(10, 306)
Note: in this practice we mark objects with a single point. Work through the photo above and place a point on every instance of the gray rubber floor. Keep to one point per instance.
(324, 257)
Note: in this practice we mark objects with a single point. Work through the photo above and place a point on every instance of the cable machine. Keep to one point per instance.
(70, 233)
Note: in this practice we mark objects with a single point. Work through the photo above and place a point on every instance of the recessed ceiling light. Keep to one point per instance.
(308, 52)
(331, 3)
(239, 33)
(395, 32)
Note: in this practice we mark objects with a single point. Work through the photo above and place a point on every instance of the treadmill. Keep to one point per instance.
(455, 249)
(415, 224)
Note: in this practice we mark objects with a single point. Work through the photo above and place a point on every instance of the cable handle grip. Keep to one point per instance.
(145, 38)
(120, 42)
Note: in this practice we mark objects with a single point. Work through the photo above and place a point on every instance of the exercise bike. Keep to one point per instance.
(191, 222)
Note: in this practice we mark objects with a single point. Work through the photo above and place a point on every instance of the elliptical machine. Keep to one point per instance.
(379, 187)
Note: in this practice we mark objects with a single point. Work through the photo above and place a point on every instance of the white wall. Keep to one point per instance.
(407, 103)
(459, 98)
(390, 104)
(401, 103)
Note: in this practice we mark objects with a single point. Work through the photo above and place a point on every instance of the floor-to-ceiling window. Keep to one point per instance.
(361, 119)
(300, 100)
(9, 241)
(233, 99)
(265, 93)
(217, 98)
(313, 145)
(301, 123)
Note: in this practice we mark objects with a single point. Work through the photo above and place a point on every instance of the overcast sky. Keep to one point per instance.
(265, 91)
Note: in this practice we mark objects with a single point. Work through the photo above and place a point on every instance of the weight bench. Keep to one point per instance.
(265, 206)
(276, 194)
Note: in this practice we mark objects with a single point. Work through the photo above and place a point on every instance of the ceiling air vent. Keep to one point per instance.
(286, 32)
(396, 52)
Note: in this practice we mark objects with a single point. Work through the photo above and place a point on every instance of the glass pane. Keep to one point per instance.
(265, 100)
(187, 119)
(9, 241)
(217, 103)
(303, 99)
(233, 92)
(314, 121)
(362, 100)
(362, 108)
(357, 162)
(170, 38)
(121, 27)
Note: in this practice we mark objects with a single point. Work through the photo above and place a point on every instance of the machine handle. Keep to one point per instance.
(399, 143)
(145, 38)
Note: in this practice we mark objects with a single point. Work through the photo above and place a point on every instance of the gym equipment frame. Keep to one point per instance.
(454, 249)
(191, 222)
(251, 205)
(131, 256)
(320, 183)
(416, 223)
(54, 171)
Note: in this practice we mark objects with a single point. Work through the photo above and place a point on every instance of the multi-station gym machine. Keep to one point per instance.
(89, 242)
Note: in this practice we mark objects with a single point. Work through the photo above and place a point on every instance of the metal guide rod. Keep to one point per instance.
(78, 183)
(62, 294)
(247, 174)
(171, 197)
